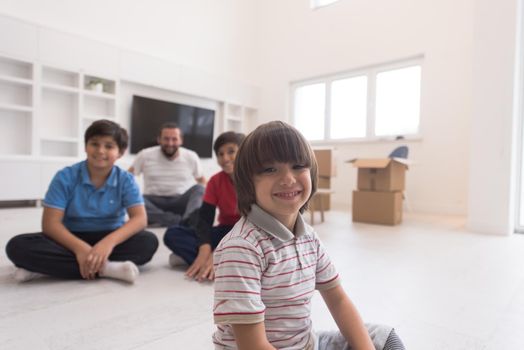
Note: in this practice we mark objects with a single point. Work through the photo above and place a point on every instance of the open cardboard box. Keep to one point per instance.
(381, 174)
(380, 183)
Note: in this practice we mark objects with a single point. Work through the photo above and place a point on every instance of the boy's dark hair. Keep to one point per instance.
(272, 142)
(228, 137)
(169, 125)
(104, 127)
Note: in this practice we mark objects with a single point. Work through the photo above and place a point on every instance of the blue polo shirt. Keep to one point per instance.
(86, 208)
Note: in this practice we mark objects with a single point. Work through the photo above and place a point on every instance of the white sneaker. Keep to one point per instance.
(176, 260)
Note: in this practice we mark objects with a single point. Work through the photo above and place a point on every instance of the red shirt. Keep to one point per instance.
(220, 192)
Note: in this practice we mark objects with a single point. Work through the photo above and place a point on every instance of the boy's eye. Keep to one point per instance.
(299, 166)
(268, 170)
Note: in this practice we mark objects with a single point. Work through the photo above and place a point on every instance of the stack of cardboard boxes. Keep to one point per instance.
(381, 182)
(326, 170)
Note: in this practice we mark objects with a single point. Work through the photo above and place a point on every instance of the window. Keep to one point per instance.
(309, 104)
(321, 3)
(379, 101)
(398, 102)
(348, 97)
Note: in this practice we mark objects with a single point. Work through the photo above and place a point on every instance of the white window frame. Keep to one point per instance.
(371, 73)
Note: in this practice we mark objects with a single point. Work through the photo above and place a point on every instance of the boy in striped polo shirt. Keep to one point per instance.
(268, 267)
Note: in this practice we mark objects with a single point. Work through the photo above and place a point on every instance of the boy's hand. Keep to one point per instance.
(98, 255)
(202, 267)
(81, 258)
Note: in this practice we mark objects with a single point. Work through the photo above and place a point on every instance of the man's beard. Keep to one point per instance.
(169, 152)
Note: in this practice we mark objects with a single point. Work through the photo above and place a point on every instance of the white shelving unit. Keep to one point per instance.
(44, 111)
(16, 106)
(238, 118)
(58, 112)
(98, 101)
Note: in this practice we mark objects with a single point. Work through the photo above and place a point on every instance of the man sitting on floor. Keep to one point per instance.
(173, 179)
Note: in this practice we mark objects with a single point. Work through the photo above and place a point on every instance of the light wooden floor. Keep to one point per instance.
(442, 288)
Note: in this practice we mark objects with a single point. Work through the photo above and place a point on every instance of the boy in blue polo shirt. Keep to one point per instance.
(85, 234)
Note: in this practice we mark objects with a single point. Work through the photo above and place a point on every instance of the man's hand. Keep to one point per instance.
(202, 267)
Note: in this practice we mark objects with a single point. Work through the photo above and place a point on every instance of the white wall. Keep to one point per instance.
(220, 40)
(353, 34)
(496, 67)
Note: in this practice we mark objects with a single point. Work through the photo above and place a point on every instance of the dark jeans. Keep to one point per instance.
(38, 253)
(184, 242)
(170, 210)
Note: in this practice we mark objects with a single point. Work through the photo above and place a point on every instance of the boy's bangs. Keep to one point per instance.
(281, 146)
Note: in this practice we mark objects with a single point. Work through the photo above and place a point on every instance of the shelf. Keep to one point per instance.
(14, 80)
(233, 125)
(16, 94)
(99, 85)
(94, 107)
(15, 68)
(234, 118)
(58, 113)
(16, 132)
(15, 108)
(103, 95)
(61, 88)
(58, 139)
(250, 119)
(238, 118)
(55, 78)
(233, 110)
(59, 147)
(93, 118)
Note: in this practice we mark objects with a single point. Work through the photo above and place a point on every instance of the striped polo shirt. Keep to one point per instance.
(264, 272)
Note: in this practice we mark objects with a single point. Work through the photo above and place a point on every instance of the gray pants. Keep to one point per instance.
(383, 338)
(170, 210)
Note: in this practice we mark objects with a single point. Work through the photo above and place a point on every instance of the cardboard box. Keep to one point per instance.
(381, 174)
(326, 169)
(374, 207)
(326, 162)
(323, 183)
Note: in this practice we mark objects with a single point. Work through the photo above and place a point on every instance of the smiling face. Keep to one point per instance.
(226, 157)
(274, 151)
(170, 140)
(282, 189)
(102, 153)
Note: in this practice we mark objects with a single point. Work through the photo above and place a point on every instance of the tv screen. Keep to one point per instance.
(148, 115)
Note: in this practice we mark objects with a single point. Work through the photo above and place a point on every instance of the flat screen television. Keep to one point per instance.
(148, 115)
